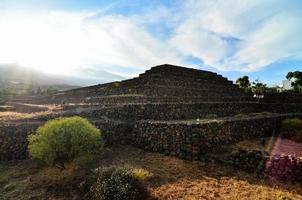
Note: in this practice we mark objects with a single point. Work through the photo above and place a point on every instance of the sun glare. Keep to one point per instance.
(51, 43)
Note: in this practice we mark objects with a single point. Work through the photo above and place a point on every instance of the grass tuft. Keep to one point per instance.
(141, 174)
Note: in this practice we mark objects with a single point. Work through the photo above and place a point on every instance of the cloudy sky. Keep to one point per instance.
(259, 38)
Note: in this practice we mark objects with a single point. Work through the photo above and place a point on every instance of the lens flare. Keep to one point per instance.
(278, 146)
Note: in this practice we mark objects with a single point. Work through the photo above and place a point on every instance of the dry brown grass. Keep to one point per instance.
(7, 116)
(178, 179)
(14, 116)
(171, 178)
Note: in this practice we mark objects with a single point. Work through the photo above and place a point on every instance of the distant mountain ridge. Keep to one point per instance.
(89, 76)
(17, 74)
(17, 79)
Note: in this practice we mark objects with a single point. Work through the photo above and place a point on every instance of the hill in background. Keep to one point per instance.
(15, 79)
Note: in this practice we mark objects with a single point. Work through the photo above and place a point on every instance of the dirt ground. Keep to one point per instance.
(171, 178)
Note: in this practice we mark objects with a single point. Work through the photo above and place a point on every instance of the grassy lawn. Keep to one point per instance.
(171, 178)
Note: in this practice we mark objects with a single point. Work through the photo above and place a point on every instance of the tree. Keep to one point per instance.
(296, 80)
(244, 83)
(65, 139)
(274, 89)
(259, 88)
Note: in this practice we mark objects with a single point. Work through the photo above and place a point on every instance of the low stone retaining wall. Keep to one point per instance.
(180, 111)
(282, 97)
(13, 140)
(192, 139)
(184, 139)
(286, 168)
(114, 131)
(7, 108)
(26, 108)
(280, 167)
(13, 137)
(252, 161)
(112, 100)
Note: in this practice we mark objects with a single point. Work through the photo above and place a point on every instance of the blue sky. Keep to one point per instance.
(258, 38)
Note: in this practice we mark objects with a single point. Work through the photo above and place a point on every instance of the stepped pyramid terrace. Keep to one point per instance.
(160, 84)
(170, 109)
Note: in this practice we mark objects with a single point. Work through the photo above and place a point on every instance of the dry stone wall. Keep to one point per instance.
(283, 97)
(280, 167)
(180, 111)
(13, 137)
(285, 167)
(184, 139)
(7, 108)
(250, 161)
(114, 131)
(27, 108)
(192, 140)
(13, 140)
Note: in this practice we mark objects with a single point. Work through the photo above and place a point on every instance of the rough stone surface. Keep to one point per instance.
(13, 140)
(252, 161)
(193, 139)
(128, 112)
(280, 167)
(285, 167)
(13, 137)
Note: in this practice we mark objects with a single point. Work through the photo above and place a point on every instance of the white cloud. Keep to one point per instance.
(61, 41)
(277, 39)
(266, 31)
(227, 35)
(199, 43)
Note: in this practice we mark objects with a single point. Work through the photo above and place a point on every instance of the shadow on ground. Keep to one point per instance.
(171, 178)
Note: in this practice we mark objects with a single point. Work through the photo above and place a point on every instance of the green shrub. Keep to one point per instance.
(292, 124)
(65, 139)
(117, 184)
